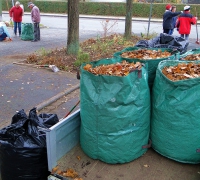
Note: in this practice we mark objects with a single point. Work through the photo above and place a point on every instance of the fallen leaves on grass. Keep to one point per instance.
(96, 49)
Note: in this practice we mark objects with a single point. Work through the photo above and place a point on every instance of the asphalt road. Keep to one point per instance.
(51, 37)
(98, 24)
(54, 32)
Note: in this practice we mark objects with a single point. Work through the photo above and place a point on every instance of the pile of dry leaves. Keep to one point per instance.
(182, 71)
(116, 69)
(192, 57)
(146, 54)
(95, 49)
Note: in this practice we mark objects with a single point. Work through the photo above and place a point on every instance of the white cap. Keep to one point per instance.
(17, 3)
(186, 8)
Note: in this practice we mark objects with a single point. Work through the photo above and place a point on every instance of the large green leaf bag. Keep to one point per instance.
(190, 52)
(115, 115)
(175, 121)
(152, 63)
(27, 32)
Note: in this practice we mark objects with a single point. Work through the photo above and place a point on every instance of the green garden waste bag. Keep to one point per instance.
(152, 63)
(27, 32)
(115, 114)
(190, 52)
(175, 120)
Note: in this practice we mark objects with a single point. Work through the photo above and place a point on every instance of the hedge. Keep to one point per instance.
(107, 9)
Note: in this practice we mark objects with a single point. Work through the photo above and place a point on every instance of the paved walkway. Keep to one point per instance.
(25, 87)
(50, 39)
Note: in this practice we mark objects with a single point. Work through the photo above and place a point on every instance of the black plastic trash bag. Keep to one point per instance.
(49, 119)
(165, 41)
(148, 43)
(20, 116)
(23, 153)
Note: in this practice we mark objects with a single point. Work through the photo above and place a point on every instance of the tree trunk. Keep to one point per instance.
(0, 11)
(128, 21)
(73, 27)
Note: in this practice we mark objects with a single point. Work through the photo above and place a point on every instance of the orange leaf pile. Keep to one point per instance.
(146, 54)
(117, 69)
(182, 71)
(192, 57)
(55, 169)
(68, 173)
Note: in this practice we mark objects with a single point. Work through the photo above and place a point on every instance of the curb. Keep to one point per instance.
(141, 19)
(56, 97)
(95, 17)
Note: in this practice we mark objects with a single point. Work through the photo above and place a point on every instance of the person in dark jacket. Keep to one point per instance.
(174, 19)
(184, 22)
(167, 19)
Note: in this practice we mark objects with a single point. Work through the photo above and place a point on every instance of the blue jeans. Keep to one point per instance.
(3, 36)
(185, 36)
(171, 31)
(17, 25)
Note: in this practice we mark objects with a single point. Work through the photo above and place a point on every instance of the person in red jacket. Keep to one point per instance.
(16, 12)
(184, 23)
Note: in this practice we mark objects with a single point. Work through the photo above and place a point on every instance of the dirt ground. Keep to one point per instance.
(150, 166)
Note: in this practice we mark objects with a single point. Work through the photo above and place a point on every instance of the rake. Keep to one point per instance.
(54, 68)
(197, 41)
(71, 110)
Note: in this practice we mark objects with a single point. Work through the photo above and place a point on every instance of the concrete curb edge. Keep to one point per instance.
(56, 97)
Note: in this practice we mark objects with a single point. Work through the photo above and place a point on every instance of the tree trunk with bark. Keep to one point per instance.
(73, 27)
(0, 11)
(128, 21)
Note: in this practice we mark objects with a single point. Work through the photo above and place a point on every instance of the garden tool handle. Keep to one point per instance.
(196, 22)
